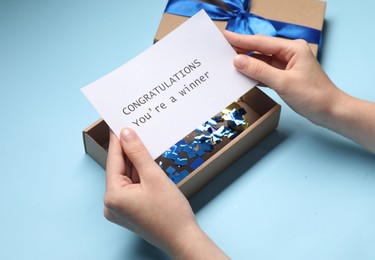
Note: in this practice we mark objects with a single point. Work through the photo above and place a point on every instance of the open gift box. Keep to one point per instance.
(262, 115)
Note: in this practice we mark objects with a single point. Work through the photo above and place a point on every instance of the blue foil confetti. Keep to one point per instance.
(198, 162)
(184, 173)
(170, 170)
(192, 151)
(181, 161)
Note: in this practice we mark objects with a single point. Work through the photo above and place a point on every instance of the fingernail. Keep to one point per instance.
(240, 62)
(128, 135)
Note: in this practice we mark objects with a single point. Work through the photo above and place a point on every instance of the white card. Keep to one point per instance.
(172, 87)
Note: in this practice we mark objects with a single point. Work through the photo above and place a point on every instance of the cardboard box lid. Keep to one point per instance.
(309, 13)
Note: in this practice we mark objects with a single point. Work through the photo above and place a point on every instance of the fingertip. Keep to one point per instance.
(240, 62)
(226, 32)
(128, 135)
(255, 69)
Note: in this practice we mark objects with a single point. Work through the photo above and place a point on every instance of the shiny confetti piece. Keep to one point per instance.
(170, 170)
(197, 162)
(181, 161)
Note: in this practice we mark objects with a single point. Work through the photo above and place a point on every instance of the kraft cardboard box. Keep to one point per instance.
(262, 115)
(309, 13)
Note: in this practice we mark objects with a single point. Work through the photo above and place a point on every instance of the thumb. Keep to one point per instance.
(136, 152)
(258, 70)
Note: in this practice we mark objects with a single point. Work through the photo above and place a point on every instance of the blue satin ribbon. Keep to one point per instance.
(241, 21)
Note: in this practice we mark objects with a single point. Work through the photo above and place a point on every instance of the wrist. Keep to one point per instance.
(337, 108)
(193, 243)
(328, 107)
(353, 118)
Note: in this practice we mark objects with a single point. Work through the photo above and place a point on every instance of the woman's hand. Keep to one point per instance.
(290, 68)
(140, 197)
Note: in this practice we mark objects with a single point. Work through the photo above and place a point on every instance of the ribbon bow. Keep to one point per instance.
(236, 12)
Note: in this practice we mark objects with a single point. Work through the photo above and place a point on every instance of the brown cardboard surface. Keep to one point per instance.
(96, 141)
(308, 13)
(264, 111)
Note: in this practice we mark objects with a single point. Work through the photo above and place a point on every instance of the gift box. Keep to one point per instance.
(261, 116)
(294, 19)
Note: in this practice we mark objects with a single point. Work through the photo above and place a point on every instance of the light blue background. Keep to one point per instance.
(303, 193)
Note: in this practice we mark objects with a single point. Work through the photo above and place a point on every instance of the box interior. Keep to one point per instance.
(257, 105)
(260, 110)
